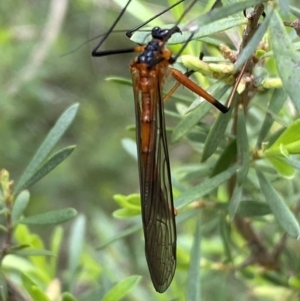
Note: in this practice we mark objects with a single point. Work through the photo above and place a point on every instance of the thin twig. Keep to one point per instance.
(259, 252)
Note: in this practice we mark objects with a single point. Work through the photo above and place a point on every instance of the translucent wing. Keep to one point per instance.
(155, 182)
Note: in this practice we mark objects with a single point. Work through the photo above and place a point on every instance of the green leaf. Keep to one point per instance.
(190, 120)
(242, 147)
(193, 291)
(282, 167)
(143, 37)
(131, 205)
(295, 11)
(76, 243)
(205, 23)
(68, 297)
(204, 188)
(281, 212)
(51, 140)
(3, 287)
(291, 148)
(293, 163)
(225, 235)
(27, 281)
(286, 58)
(33, 252)
(20, 205)
(284, 6)
(38, 294)
(253, 208)
(215, 135)
(50, 164)
(126, 213)
(276, 102)
(226, 158)
(219, 13)
(31, 287)
(55, 245)
(23, 236)
(132, 201)
(290, 135)
(119, 80)
(195, 113)
(51, 217)
(254, 42)
(121, 289)
(235, 201)
(120, 235)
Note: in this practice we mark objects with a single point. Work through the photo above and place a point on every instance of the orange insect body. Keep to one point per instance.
(154, 169)
(149, 71)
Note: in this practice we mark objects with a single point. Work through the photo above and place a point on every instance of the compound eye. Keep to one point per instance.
(156, 32)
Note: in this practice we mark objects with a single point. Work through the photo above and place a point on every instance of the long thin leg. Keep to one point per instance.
(176, 86)
(183, 79)
(131, 31)
(97, 53)
(110, 30)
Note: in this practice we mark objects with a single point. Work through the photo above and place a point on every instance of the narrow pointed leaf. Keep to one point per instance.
(51, 217)
(225, 235)
(292, 162)
(3, 287)
(51, 140)
(121, 235)
(227, 157)
(290, 135)
(219, 13)
(242, 147)
(204, 188)
(284, 6)
(121, 289)
(253, 208)
(126, 213)
(68, 297)
(235, 201)
(190, 120)
(215, 135)
(276, 102)
(55, 245)
(119, 80)
(281, 212)
(31, 287)
(76, 243)
(142, 37)
(38, 294)
(295, 11)
(287, 59)
(33, 252)
(19, 206)
(282, 167)
(196, 113)
(50, 164)
(193, 276)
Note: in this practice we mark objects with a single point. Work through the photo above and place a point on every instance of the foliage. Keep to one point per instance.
(237, 222)
(236, 154)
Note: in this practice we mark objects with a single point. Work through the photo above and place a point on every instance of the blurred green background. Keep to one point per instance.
(41, 76)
